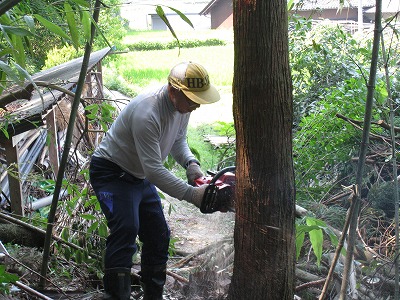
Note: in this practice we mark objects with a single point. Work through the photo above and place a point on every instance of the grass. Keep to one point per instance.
(139, 69)
(143, 68)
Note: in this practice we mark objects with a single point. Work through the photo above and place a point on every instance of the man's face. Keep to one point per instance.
(181, 102)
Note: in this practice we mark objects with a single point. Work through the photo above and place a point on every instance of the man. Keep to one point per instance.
(127, 167)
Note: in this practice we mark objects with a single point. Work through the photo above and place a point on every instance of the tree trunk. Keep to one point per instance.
(265, 195)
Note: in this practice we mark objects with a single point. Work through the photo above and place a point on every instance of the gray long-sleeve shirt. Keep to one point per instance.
(142, 136)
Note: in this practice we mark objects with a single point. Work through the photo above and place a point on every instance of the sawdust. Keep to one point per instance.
(194, 230)
(207, 273)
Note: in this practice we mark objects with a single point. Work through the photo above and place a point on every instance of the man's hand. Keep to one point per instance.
(193, 172)
(198, 194)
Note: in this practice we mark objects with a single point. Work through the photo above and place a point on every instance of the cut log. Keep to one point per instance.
(12, 233)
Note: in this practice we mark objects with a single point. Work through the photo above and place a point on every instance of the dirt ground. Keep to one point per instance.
(210, 238)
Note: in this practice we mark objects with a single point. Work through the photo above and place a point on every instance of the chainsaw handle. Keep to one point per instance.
(221, 172)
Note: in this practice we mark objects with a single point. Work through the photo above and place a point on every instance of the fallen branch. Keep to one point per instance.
(355, 123)
(177, 277)
(31, 291)
(309, 284)
(186, 259)
(33, 271)
(340, 243)
(41, 231)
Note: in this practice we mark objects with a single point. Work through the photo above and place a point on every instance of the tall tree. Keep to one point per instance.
(265, 194)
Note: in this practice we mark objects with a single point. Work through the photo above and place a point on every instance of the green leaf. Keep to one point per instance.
(100, 31)
(103, 229)
(10, 72)
(316, 238)
(73, 30)
(30, 22)
(67, 253)
(88, 217)
(51, 27)
(82, 3)
(27, 76)
(299, 243)
(92, 227)
(17, 30)
(183, 17)
(6, 36)
(78, 257)
(6, 277)
(160, 12)
(65, 234)
(19, 54)
(6, 51)
(290, 5)
(85, 18)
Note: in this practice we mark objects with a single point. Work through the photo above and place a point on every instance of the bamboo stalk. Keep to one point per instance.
(363, 149)
(340, 244)
(67, 145)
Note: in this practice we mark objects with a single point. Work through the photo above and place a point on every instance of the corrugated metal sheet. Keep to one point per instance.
(29, 115)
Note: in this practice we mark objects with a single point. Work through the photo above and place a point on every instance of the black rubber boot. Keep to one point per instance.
(117, 284)
(152, 280)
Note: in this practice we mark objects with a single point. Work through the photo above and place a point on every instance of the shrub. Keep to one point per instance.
(156, 45)
(58, 56)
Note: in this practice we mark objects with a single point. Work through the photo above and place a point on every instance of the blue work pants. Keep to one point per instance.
(132, 208)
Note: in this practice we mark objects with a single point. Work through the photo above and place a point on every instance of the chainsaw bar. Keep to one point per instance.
(219, 194)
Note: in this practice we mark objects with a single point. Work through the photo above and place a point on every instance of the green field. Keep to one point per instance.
(139, 69)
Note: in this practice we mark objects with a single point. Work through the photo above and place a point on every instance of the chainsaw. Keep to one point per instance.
(220, 192)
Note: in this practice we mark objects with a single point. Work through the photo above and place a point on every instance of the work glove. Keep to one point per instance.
(197, 196)
(193, 172)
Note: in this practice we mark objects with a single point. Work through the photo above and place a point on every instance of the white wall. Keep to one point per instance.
(138, 14)
(199, 22)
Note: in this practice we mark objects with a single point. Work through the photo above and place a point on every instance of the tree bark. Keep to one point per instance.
(265, 195)
(11, 233)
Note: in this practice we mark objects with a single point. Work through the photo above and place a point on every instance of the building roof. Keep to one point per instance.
(206, 10)
(392, 6)
(310, 4)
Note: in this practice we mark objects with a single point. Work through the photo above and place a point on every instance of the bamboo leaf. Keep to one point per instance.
(27, 76)
(92, 227)
(81, 3)
(6, 37)
(290, 4)
(17, 31)
(52, 27)
(182, 15)
(160, 12)
(30, 22)
(19, 54)
(98, 29)
(73, 30)
(103, 229)
(88, 217)
(86, 22)
(6, 51)
(65, 234)
(10, 73)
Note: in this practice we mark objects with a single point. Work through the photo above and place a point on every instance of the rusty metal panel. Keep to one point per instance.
(29, 115)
